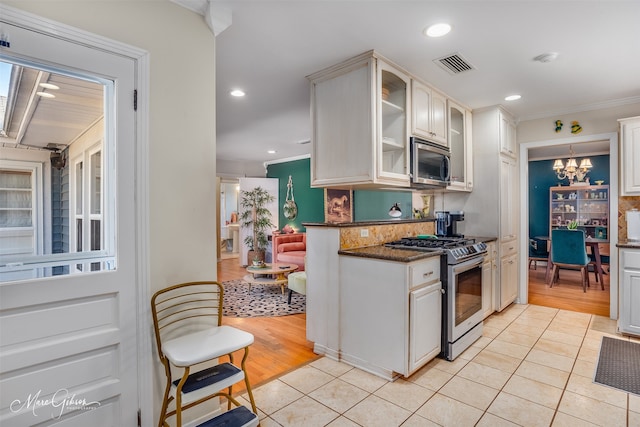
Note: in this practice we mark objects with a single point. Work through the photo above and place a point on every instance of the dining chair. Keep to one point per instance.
(568, 250)
(190, 338)
(537, 252)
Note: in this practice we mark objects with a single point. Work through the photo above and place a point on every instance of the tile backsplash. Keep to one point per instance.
(625, 204)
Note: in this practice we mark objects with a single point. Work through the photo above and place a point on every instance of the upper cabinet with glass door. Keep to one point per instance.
(393, 142)
(461, 146)
(360, 111)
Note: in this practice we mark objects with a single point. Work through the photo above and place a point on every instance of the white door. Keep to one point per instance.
(68, 343)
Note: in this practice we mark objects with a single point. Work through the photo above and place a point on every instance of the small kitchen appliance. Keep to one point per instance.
(443, 221)
(633, 225)
(454, 218)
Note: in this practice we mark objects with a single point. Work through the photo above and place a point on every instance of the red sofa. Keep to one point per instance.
(290, 248)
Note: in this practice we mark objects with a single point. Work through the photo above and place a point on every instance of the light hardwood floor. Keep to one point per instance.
(567, 294)
(280, 343)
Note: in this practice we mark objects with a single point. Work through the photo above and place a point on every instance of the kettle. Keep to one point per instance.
(443, 221)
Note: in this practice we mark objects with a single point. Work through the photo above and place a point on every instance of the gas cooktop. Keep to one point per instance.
(457, 249)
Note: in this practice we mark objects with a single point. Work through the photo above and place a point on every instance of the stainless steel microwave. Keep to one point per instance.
(430, 164)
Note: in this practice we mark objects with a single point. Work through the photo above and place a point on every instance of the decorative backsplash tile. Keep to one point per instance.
(379, 234)
(625, 204)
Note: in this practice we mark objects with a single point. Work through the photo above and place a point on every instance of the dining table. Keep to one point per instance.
(591, 243)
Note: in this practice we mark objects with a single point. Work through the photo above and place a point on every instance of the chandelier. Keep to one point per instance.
(572, 170)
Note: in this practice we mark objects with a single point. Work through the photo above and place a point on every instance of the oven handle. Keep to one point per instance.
(466, 266)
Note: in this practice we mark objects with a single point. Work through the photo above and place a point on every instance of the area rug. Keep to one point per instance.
(261, 301)
(619, 365)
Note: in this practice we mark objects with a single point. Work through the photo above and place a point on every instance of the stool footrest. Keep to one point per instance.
(237, 417)
(208, 381)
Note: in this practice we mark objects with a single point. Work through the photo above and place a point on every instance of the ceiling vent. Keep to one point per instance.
(454, 64)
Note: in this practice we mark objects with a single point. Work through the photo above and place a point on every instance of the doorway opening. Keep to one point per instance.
(229, 227)
(537, 178)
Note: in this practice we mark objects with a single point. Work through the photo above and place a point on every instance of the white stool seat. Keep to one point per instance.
(297, 282)
(208, 344)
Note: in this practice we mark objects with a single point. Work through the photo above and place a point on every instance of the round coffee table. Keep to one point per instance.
(270, 274)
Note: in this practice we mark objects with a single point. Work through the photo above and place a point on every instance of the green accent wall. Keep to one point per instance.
(368, 205)
(372, 205)
(542, 177)
(310, 201)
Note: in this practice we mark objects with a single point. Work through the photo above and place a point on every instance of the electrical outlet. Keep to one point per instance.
(364, 232)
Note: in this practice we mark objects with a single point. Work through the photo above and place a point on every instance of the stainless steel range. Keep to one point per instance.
(461, 276)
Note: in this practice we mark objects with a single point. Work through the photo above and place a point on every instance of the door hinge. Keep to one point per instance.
(135, 100)
(139, 418)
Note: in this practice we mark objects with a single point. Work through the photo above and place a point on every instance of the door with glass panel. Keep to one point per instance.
(68, 340)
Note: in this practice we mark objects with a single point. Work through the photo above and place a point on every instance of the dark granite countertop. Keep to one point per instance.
(367, 223)
(389, 254)
(400, 255)
(483, 239)
(628, 245)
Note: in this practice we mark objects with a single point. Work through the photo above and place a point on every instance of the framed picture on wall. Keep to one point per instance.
(338, 205)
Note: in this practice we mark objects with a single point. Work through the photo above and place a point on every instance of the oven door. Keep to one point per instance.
(464, 297)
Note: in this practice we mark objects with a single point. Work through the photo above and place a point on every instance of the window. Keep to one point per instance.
(55, 215)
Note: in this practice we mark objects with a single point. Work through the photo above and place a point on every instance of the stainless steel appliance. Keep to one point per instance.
(443, 221)
(447, 223)
(461, 276)
(454, 218)
(430, 164)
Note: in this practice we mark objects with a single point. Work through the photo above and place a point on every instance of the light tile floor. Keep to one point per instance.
(533, 367)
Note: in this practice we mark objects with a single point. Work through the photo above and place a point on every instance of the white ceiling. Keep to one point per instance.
(272, 45)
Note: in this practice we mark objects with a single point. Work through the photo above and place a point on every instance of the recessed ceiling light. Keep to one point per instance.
(512, 98)
(237, 92)
(45, 95)
(271, 151)
(438, 30)
(49, 86)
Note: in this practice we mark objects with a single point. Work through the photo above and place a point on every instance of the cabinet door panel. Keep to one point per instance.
(487, 291)
(508, 199)
(425, 332)
(439, 117)
(342, 149)
(630, 157)
(630, 309)
(421, 106)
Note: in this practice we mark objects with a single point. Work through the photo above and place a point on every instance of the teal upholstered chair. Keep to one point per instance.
(537, 252)
(568, 250)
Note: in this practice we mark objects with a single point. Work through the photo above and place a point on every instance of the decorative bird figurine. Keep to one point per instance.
(575, 127)
(558, 125)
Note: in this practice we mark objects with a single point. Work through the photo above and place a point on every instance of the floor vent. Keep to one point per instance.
(454, 64)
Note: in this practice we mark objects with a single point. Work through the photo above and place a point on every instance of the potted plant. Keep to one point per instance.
(257, 218)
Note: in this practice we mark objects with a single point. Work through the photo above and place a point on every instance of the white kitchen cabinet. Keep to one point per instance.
(360, 120)
(508, 281)
(461, 144)
(630, 156)
(507, 134)
(509, 212)
(629, 321)
(390, 314)
(489, 280)
(492, 208)
(428, 113)
(425, 308)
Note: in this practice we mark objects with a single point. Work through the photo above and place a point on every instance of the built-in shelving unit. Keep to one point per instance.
(587, 205)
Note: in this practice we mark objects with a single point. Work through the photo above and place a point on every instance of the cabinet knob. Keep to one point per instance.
(427, 274)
